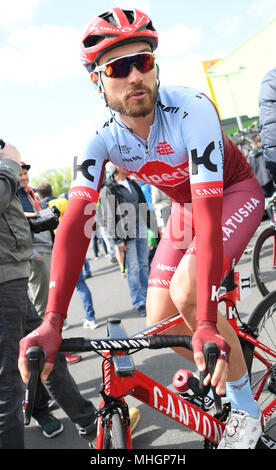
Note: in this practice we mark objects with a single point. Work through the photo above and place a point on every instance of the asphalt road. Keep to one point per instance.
(111, 298)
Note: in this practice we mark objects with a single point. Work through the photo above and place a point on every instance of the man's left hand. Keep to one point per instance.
(206, 332)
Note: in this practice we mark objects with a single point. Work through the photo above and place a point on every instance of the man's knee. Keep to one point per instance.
(183, 296)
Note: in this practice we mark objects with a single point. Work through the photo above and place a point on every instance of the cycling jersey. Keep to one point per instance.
(186, 155)
(185, 148)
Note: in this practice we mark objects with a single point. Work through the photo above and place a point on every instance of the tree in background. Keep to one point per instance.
(60, 180)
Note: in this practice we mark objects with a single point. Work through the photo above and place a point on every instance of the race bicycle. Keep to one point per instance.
(122, 379)
(264, 257)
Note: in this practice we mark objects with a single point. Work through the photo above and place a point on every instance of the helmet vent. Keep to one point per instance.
(147, 27)
(150, 26)
(91, 41)
(130, 16)
(109, 17)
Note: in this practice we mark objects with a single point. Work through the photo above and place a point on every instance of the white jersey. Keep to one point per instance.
(185, 147)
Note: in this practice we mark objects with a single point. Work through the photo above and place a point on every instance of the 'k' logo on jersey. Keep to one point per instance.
(83, 168)
(204, 160)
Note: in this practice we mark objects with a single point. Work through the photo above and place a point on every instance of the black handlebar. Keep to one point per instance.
(36, 357)
(210, 351)
(125, 343)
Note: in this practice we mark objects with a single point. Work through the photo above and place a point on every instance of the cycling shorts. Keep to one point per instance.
(243, 210)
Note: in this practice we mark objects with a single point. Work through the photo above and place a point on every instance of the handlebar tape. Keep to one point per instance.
(210, 351)
(36, 357)
(165, 341)
(151, 342)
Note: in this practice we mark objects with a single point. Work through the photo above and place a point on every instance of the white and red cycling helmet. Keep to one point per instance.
(113, 28)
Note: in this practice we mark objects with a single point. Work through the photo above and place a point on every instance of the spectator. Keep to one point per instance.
(86, 271)
(267, 104)
(103, 235)
(42, 246)
(95, 241)
(60, 202)
(45, 192)
(18, 317)
(256, 160)
(153, 240)
(131, 230)
(87, 302)
(162, 205)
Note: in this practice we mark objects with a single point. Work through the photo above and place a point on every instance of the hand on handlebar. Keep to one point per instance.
(206, 332)
(48, 337)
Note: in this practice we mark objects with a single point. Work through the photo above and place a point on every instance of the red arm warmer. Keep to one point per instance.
(207, 213)
(71, 243)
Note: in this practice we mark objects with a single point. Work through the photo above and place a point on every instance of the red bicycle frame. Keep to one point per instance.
(146, 390)
(171, 404)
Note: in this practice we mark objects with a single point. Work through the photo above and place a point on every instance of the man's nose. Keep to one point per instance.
(135, 75)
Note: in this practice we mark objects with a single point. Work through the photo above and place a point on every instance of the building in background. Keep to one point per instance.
(233, 82)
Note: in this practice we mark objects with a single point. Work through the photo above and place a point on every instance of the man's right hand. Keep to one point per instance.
(122, 246)
(48, 337)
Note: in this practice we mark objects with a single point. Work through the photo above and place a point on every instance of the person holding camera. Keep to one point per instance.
(42, 244)
(18, 317)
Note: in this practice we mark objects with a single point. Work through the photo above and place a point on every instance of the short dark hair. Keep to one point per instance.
(44, 189)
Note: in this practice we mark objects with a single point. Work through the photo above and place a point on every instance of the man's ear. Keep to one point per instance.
(95, 80)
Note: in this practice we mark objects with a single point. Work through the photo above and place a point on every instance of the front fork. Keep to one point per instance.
(110, 403)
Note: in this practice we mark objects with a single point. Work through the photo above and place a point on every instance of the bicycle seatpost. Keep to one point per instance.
(210, 351)
(36, 357)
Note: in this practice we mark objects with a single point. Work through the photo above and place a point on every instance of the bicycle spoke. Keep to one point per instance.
(264, 261)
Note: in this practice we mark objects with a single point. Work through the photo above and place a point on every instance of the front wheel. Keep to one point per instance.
(262, 371)
(114, 432)
(264, 261)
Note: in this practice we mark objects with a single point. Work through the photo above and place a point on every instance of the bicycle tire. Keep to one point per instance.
(264, 273)
(263, 322)
(114, 432)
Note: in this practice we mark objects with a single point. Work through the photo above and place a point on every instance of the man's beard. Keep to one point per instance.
(140, 108)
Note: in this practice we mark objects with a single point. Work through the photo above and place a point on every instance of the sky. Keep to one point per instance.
(47, 103)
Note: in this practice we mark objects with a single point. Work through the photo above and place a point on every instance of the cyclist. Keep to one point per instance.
(170, 137)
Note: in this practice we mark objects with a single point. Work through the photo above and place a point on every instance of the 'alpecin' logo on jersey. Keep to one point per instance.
(155, 172)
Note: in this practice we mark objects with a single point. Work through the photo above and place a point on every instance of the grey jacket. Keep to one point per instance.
(124, 211)
(267, 104)
(15, 234)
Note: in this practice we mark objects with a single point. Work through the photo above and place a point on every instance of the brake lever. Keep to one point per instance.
(36, 358)
(210, 351)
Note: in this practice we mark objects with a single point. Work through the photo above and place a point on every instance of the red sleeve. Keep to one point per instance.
(71, 243)
(207, 213)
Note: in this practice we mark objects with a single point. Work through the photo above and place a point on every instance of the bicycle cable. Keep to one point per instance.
(235, 308)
